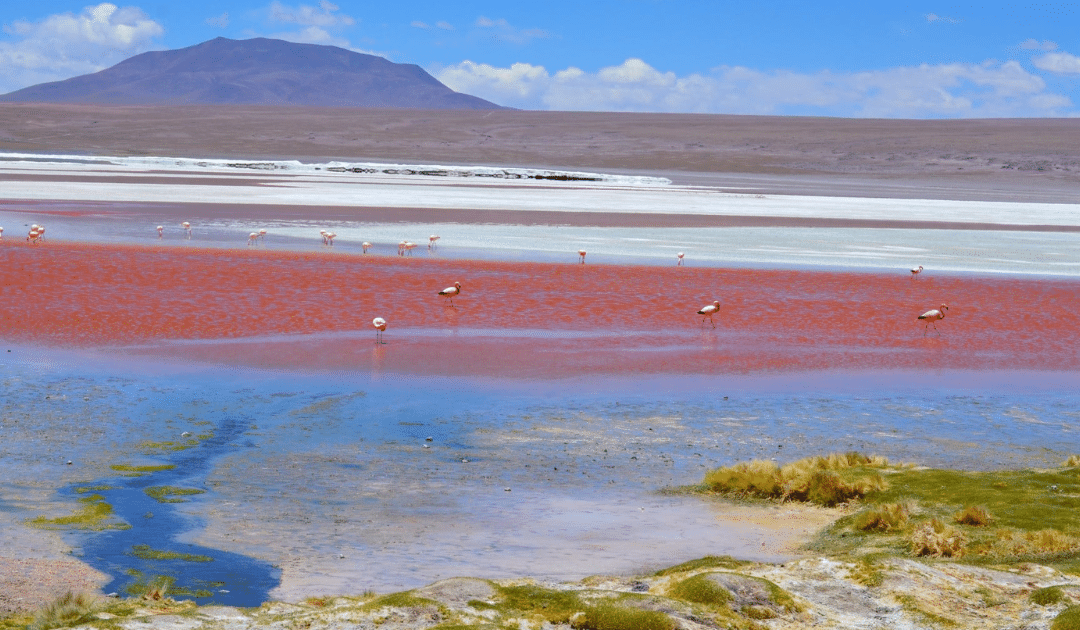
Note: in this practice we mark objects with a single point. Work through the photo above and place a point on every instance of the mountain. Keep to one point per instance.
(255, 72)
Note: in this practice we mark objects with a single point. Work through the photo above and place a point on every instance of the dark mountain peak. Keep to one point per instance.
(257, 71)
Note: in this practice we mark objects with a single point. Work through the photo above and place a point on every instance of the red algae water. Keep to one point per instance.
(530, 319)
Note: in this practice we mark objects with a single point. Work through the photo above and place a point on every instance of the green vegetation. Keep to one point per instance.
(165, 494)
(887, 517)
(148, 553)
(1069, 619)
(1047, 596)
(398, 600)
(85, 489)
(708, 562)
(68, 610)
(611, 617)
(94, 514)
(139, 471)
(828, 481)
(975, 515)
(914, 605)
(701, 590)
(1073, 461)
(935, 538)
(545, 604)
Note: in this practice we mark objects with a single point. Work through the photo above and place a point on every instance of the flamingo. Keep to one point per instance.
(680, 257)
(581, 254)
(449, 292)
(931, 317)
(262, 234)
(161, 231)
(330, 236)
(401, 248)
(323, 233)
(41, 232)
(708, 312)
(187, 228)
(253, 239)
(409, 246)
(32, 237)
(380, 326)
(431, 241)
(1, 233)
(366, 246)
(916, 271)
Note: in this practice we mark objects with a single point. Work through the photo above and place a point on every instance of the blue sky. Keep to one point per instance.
(851, 59)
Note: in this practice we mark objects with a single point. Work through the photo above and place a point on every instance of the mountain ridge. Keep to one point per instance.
(257, 71)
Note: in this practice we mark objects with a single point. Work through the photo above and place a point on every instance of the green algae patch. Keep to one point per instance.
(140, 471)
(98, 488)
(1047, 596)
(171, 494)
(397, 600)
(708, 562)
(146, 552)
(94, 514)
(699, 589)
(551, 605)
(612, 617)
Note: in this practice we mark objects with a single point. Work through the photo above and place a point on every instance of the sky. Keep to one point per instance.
(845, 59)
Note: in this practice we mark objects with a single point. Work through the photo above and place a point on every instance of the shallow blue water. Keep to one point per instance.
(347, 435)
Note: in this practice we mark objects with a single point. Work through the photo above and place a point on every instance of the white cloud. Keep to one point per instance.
(1034, 44)
(68, 44)
(220, 21)
(934, 17)
(1058, 62)
(324, 16)
(992, 89)
(419, 24)
(446, 26)
(505, 32)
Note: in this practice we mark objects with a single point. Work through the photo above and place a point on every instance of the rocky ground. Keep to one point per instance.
(814, 592)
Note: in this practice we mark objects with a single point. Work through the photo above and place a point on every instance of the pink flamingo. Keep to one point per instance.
(932, 316)
(253, 239)
(380, 327)
(431, 241)
(330, 236)
(366, 246)
(916, 271)
(581, 254)
(262, 234)
(187, 228)
(709, 311)
(409, 246)
(161, 231)
(449, 292)
(1, 233)
(680, 256)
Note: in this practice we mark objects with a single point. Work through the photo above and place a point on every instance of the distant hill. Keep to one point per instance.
(255, 72)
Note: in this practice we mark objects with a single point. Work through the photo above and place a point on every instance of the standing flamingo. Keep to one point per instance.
(680, 257)
(431, 241)
(253, 239)
(380, 327)
(365, 246)
(916, 271)
(32, 236)
(581, 255)
(187, 228)
(161, 231)
(409, 246)
(41, 232)
(262, 234)
(708, 312)
(1, 233)
(330, 236)
(449, 292)
(931, 317)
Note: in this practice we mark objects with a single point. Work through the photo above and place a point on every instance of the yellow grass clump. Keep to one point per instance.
(1073, 461)
(975, 515)
(887, 517)
(828, 480)
(936, 538)
(1017, 543)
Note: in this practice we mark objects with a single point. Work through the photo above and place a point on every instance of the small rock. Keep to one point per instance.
(69, 462)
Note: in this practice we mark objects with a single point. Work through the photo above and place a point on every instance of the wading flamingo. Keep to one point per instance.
(916, 271)
(581, 255)
(708, 312)
(449, 292)
(330, 236)
(253, 239)
(187, 228)
(262, 234)
(32, 236)
(680, 256)
(41, 232)
(366, 246)
(1, 233)
(931, 317)
(380, 327)
(431, 241)
(161, 231)
(323, 234)
(409, 246)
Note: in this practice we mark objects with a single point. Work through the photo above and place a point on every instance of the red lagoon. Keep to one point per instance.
(524, 319)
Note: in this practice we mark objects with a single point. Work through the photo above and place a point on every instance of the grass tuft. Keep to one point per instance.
(146, 552)
(887, 517)
(612, 617)
(550, 605)
(1073, 461)
(68, 610)
(937, 539)
(708, 562)
(167, 494)
(1025, 544)
(1047, 596)
(829, 480)
(975, 515)
(1068, 619)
